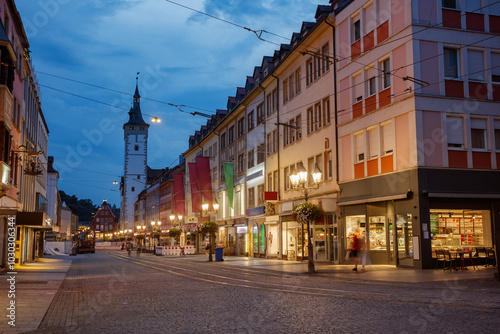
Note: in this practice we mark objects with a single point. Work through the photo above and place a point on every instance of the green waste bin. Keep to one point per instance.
(219, 251)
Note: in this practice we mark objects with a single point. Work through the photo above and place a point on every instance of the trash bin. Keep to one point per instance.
(218, 253)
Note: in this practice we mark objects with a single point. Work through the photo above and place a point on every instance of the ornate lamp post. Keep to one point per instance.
(206, 212)
(299, 180)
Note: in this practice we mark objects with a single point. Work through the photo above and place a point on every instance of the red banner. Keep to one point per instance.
(205, 178)
(195, 187)
(179, 198)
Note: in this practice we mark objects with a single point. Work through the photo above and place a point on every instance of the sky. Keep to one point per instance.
(87, 54)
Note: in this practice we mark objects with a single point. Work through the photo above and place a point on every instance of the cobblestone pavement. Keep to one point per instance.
(110, 292)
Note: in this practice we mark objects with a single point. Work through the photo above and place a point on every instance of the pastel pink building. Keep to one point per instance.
(418, 85)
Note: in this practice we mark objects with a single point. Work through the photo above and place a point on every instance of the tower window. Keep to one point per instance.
(138, 177)
(133, 188)
(136, 147)
(131, 128)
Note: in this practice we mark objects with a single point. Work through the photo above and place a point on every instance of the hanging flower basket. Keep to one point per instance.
(155, 235)
(308, 212)
(209, 227)
(193, 228)
(138, 237)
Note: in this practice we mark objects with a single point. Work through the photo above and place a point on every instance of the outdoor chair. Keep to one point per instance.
(482, 256)
(490, 257)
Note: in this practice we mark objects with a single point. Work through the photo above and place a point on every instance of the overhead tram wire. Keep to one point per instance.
(117, 91)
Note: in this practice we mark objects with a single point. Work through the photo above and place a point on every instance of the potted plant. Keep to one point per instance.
(209, 227)
(175, 233)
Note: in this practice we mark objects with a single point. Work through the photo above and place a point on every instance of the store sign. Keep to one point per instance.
(241, 229)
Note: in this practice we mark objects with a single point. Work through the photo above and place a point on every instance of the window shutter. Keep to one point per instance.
(455, 130)
(476, 65)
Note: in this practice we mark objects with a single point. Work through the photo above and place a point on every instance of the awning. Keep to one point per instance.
(34, 219)
(372, 199)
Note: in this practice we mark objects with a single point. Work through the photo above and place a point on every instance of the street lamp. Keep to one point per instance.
(215, 208)
(298, 180)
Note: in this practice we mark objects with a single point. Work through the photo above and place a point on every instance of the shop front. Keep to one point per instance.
(272, 227)
(258, 237)
(31, 227)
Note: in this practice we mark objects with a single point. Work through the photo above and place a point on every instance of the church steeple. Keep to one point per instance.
(135, 114)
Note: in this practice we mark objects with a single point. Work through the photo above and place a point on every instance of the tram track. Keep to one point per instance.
(252, 279)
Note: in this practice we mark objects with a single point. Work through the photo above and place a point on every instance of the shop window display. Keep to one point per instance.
(352, 224)
(377, 233)
(460, 228)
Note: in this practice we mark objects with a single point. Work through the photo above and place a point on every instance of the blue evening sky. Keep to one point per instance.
(183, 57)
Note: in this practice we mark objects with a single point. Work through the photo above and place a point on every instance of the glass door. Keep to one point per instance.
(320, 243)
(404, 241)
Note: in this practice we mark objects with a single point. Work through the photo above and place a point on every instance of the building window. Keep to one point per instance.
(356, 29)
(298, 79)
(231, 134)
(275, 99)
(275, 180)
(298, 124)
(309, 72)
(450, 4)
(478, 133)
(497, 136)
(270, 182)
(387, 136)
(275, 141)
(291, 86)
(292, 131)
(286, 132)
(386, 77)
(269, 106)
(138, 177)
(133, 188)
(329, 165)
(260, 195)
(495, 67)
(359, 146)
(269, 143)
(241, 160)
(357, 88)
(250, 120)
(261, 153)
(373, 143)
(287, 178)
(310, 120)
(455, 131)
(260, 113)
(476, 65)
(317, 116)
(136, 148)
(451, 63)
(97, 220)
(371, 86)
(285, 90)
(222, 141)
(251, 197)
(326, 111)
(251, 161)
(325, 55)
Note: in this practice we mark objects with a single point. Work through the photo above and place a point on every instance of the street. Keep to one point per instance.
(110, 292)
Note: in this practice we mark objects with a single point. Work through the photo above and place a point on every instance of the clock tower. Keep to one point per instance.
(135, 164)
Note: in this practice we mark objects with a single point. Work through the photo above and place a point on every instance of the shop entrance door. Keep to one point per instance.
(320, 244)
(404, 241)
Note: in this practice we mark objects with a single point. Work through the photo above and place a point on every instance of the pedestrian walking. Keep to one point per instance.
(356, 248)
(138, 251)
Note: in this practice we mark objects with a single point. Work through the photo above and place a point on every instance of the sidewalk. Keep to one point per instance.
(36, 285)
(384, 273)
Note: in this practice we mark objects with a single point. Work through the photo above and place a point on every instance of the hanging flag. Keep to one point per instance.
(179, 198)
(205, 178)
(229, 177)
(195, 187)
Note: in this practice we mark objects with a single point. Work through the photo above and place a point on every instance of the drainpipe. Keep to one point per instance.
(278, 132)
(335, 97)
(265, 134)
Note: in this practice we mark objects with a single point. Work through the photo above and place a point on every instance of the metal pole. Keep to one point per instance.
(310, 255)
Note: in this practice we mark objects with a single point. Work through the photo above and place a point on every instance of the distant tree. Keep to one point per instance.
(84, 207)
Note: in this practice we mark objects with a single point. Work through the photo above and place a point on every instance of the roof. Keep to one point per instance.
(135, 114)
